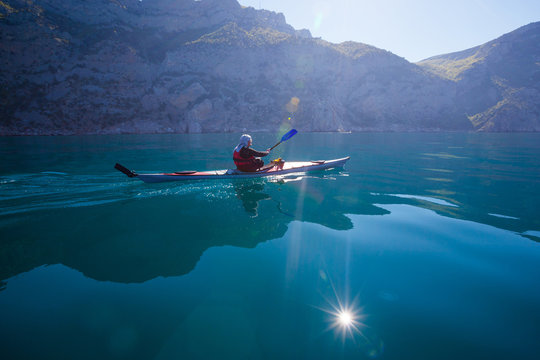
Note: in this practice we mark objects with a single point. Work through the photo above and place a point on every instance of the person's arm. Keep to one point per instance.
(247, 152)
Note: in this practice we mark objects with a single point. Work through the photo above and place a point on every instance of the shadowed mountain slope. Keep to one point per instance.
(80, 67)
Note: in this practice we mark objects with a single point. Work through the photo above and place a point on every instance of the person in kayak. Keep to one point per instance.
(247, 159)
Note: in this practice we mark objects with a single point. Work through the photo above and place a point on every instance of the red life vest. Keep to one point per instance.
(240, 161)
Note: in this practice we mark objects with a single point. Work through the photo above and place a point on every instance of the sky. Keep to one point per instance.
(413, 29)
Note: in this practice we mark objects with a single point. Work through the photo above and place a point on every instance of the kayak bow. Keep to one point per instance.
(287, 168)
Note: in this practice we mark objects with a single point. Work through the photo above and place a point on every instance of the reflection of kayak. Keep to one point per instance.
(287, 168)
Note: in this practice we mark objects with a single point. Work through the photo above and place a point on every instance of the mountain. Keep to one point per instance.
(131, 66)
(498, 83)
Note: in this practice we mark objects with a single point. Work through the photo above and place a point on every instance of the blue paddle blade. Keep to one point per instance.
(289, 135)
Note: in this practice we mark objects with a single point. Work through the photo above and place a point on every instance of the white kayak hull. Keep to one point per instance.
(288, 167)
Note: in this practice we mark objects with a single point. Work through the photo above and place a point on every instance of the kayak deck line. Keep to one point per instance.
(287, 168)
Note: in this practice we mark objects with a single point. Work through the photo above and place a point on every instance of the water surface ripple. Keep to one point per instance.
(426, 246)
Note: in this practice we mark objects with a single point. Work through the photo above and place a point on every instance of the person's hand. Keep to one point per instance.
(268, 150)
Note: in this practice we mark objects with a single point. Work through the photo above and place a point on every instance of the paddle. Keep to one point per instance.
(125, 170)
(285, 137)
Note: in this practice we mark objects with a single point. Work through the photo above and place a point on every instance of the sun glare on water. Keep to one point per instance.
(346, 321)
(345, 318)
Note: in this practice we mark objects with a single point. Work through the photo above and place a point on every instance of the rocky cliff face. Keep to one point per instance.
(498, 83)
(130, 66)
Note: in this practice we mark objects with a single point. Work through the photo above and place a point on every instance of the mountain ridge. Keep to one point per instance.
(509, 68)
(164, 66)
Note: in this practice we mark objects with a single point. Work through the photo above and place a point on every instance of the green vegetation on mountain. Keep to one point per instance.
(105, 66)
(498, 83)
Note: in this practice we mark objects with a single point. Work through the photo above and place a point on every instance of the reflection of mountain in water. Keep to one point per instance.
(137, 240)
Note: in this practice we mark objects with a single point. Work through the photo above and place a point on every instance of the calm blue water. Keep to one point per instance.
(429, 243)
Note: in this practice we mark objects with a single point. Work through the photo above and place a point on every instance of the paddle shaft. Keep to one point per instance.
(285, 137)
(274, 146)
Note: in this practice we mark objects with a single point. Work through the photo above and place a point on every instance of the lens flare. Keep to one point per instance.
(345, 318)
(347, 321)
(292, 105)
(318, 21)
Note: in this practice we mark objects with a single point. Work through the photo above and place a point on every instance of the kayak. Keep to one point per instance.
(286, 167)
